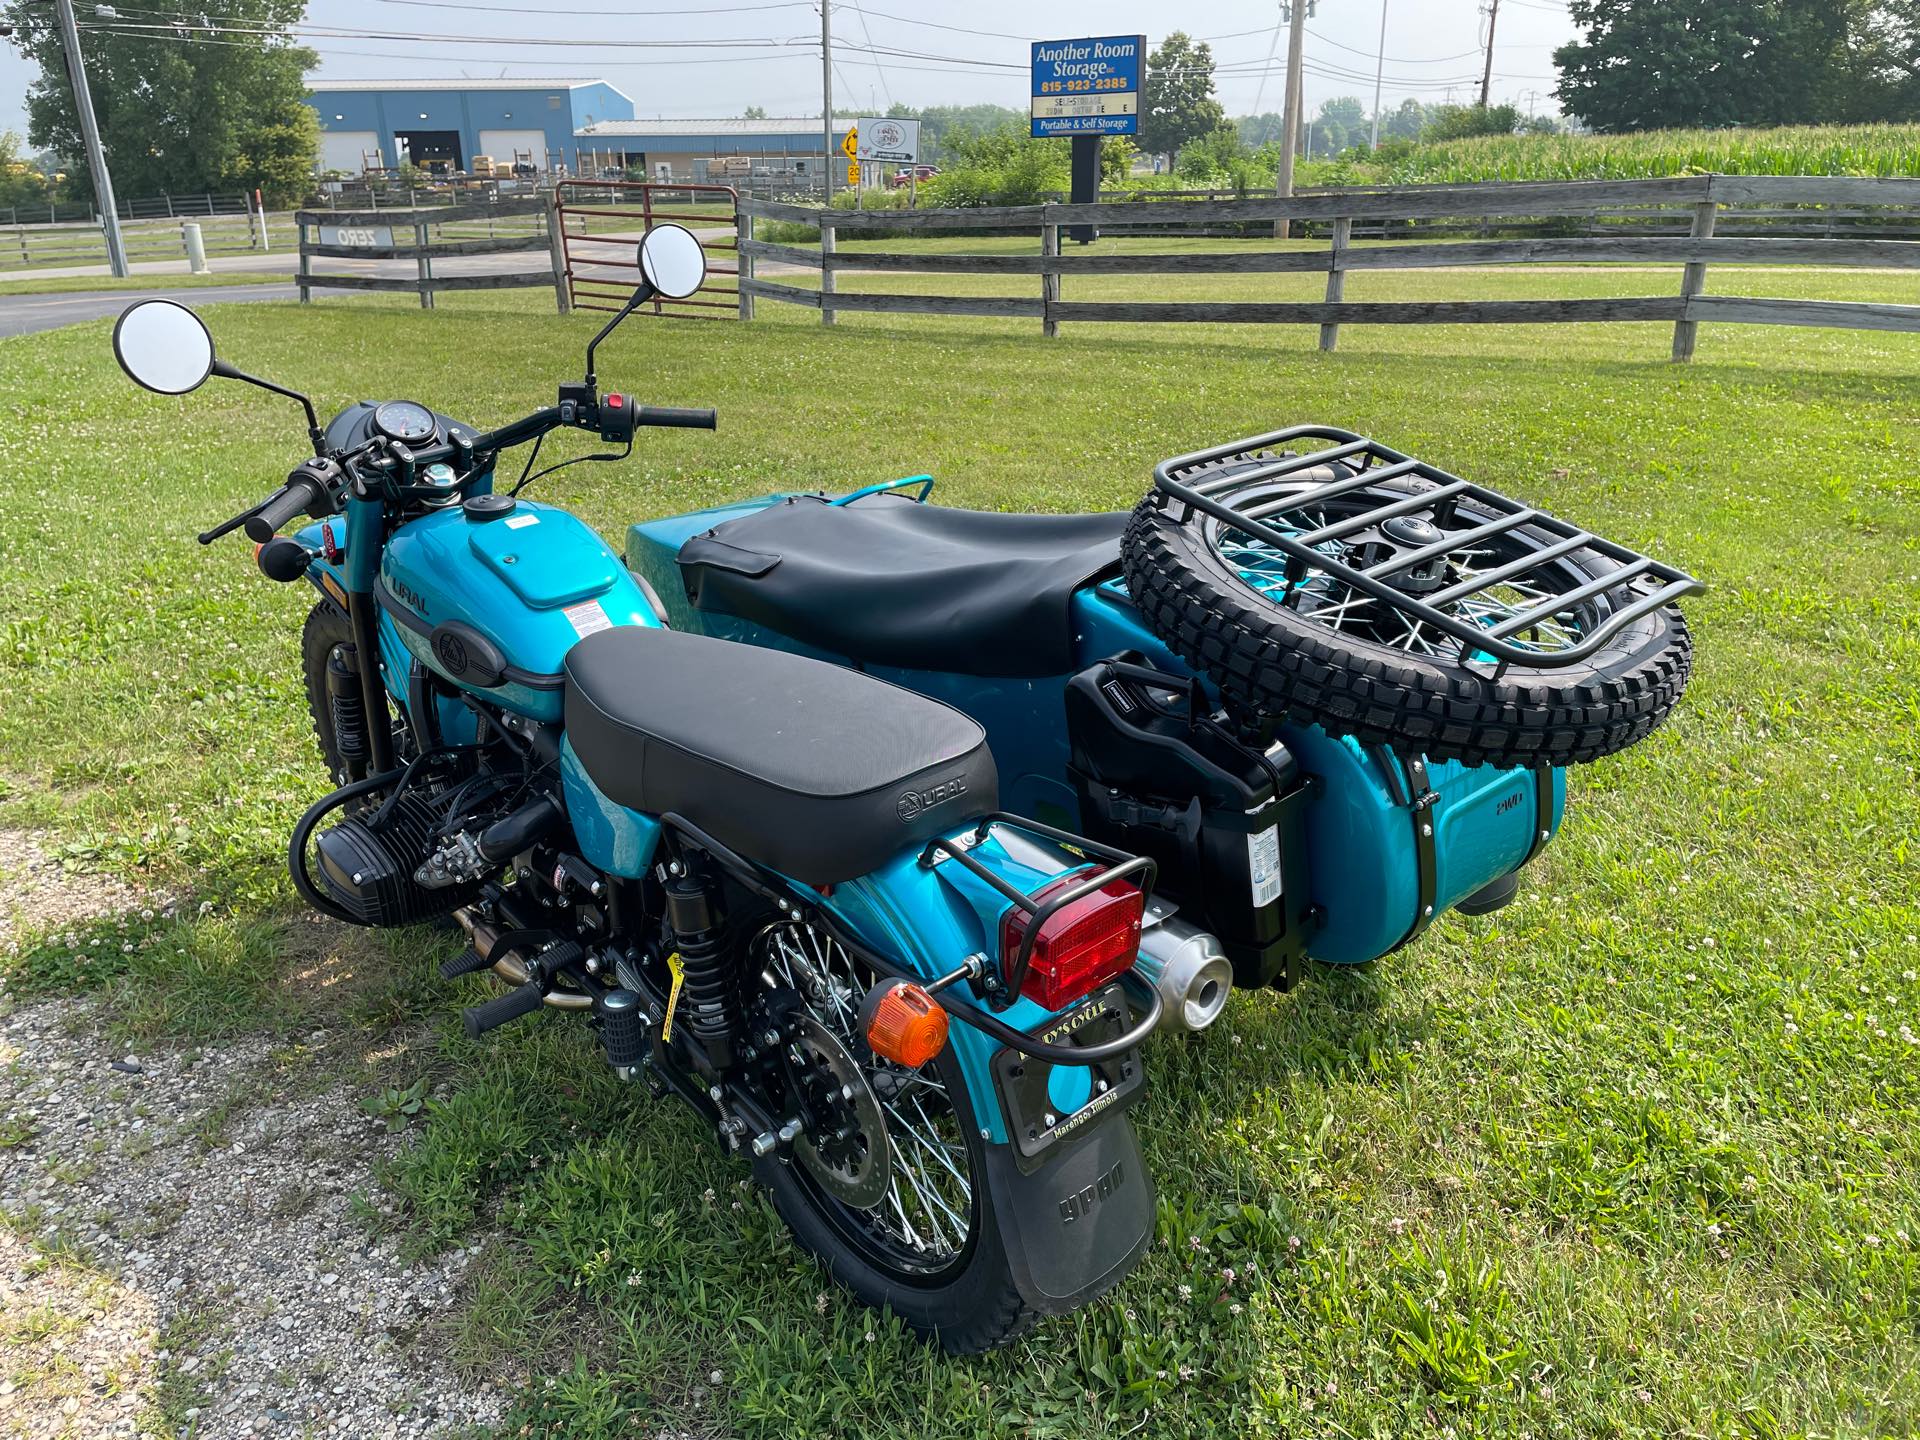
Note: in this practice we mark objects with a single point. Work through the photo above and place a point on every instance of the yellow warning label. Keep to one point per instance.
(679, 972)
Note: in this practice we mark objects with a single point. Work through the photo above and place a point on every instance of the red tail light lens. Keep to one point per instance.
(1081, 946)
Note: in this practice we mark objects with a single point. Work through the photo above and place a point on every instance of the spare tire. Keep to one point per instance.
(1358, 666)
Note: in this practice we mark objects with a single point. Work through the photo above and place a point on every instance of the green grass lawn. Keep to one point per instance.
(1639, 1155)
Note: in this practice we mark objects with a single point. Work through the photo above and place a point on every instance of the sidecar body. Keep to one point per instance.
(1286, 843)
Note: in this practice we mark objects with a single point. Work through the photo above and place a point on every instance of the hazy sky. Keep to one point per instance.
(957, 53)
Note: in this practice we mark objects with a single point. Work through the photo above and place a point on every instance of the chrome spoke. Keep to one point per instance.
(929, 1199)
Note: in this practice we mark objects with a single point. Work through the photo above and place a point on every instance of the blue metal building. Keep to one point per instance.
(445, 124)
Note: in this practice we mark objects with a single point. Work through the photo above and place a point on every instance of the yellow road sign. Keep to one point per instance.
(850, 146)
(853, 172)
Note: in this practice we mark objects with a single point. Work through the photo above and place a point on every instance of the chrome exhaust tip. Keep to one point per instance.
(1189, 969)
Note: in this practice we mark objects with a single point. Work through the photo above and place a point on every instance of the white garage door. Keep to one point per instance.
(503, 145)
(346, 149)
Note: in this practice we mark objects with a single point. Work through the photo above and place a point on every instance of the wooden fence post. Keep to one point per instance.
(1049, 281)
(826, 268)
(306, 261)
(557, 251)
(1693, 280)
(1336, 276)
(743, 236)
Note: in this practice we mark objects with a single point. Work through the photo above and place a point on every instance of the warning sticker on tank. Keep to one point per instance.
(587, 618)
(1263, 865)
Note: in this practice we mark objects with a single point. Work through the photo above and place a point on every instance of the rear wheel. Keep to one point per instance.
(885, 1189)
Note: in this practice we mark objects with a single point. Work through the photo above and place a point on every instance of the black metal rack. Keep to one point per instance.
(1639, 586)
(1122, 867)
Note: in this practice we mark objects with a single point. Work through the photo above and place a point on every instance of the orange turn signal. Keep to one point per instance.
(904, 1023)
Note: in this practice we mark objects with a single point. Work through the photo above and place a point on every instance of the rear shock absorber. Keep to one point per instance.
(708, 1006)
(348, 711)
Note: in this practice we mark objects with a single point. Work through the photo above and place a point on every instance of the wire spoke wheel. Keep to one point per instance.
(1342, 608)
(925, 1221)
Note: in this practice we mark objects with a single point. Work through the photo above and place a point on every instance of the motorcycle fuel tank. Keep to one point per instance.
(492, 595)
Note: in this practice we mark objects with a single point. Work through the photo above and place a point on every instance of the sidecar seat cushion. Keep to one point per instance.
(889, 581)
(818, 771)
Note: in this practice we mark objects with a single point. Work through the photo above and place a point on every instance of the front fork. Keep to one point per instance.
(366, 521)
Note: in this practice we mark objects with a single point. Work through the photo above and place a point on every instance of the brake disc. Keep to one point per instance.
(854, 1163)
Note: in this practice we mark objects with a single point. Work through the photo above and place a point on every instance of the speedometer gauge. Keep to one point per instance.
(405, 421)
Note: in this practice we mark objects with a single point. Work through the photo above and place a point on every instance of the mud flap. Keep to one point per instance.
(1076, 1226)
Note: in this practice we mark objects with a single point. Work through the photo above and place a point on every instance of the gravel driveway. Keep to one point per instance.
(180, 1251)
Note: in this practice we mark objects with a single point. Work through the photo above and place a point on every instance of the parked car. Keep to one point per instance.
(907, 174)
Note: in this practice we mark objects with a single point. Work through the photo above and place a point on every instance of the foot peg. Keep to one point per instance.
(502, 1008)
(623, 1028)
(465, 963)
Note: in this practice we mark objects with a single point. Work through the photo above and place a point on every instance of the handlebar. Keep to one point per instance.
(299, 494)
(673, 418)
(312, 487)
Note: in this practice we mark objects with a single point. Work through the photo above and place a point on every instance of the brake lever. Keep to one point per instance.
(227, 527)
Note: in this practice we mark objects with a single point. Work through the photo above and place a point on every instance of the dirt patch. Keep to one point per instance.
(38, 893)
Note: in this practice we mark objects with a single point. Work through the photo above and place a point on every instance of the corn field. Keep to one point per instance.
(1785, 150)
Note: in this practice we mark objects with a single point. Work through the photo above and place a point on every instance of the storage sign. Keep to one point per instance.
(1088, 87)
(888, 141)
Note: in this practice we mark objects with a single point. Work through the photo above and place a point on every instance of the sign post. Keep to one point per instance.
(1086, 90)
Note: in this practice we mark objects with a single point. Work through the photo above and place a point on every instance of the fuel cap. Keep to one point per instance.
(482, 508)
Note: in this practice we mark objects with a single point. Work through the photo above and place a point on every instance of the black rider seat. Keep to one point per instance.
(889, 581)
(818, 771)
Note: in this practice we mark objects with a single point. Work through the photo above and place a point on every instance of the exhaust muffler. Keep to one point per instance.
(1189, 969)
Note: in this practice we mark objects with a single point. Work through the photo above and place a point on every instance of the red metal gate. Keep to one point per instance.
(601, 222)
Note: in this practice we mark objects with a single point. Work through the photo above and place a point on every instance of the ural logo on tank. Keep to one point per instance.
(1079, 1205)
(407, 593)
(915, 803)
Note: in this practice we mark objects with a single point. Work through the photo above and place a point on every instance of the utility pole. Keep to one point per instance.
(90, 131)
(1486, 75)
(826, 94)
(1290, 132)
(1379, 70)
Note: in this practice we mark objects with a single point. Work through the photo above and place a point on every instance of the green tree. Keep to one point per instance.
(1657, 64)
(215, 103)
(1461, 122)
(1263, 129)
(1177, 104)
(942, 126)
(1406, 122)
(1342, 121)
(754, 112)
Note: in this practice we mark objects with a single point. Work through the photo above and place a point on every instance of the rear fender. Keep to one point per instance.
(1079, 1220)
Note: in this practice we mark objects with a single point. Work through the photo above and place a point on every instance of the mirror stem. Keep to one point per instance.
(318, 436)
(642, 293)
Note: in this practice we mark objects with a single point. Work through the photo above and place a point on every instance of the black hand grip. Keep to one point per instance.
(673, 418)
(290, 500)
(502, 1008)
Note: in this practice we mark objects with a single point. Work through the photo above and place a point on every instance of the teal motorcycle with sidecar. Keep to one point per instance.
(887, 835)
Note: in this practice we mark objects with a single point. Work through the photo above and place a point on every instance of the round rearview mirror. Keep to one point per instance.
(672, 261)
(163, 346)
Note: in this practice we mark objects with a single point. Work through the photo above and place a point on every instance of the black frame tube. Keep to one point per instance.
(772, 886)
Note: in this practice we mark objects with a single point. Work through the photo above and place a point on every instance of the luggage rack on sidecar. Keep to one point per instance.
(1235, 484)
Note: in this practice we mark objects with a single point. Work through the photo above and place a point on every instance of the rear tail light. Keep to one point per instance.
(1080, 946)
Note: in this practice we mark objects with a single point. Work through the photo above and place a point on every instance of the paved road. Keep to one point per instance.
(22, 314)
